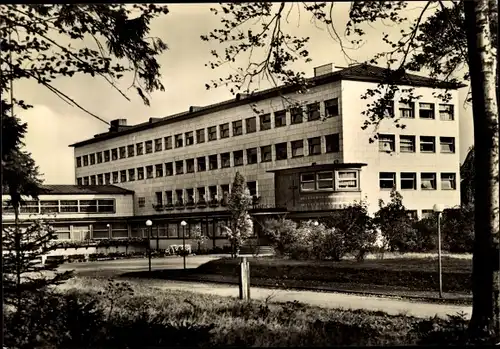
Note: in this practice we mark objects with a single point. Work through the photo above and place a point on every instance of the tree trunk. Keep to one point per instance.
(17, 240)
(482, 67)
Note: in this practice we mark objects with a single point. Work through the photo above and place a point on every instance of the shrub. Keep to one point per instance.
(283, 235)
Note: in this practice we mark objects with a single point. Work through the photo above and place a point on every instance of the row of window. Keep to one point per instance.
(198, 195)
(339, 180)
(407, 144)
(210, 134)
(425, 111)
(64, 206)
(408, 181)
(281, 152)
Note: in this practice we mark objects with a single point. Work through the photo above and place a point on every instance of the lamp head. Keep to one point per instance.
(149, 223)
(438, 208)
(183, 223)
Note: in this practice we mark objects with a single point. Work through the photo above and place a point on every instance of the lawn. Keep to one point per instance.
(95, 313)
(415, 277)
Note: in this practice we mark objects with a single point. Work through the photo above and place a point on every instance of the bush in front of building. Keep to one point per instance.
(284, 235)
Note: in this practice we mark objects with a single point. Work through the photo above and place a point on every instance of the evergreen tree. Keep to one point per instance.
(241, 227)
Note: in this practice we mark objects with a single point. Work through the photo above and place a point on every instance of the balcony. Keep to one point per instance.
(255, 201)
(158, 207)
(169, 206)
(190, 204)
(213, 203)
(224, 202)
(179, 205)
(201, 203)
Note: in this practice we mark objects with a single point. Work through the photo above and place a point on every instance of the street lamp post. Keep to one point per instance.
(183, 223)
(149, 225)
(439, 210)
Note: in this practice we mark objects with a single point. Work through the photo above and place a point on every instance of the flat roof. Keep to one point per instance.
(70, 189)
(360, 72)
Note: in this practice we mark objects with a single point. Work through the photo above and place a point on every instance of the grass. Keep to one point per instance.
(403, 277)
(140, 318)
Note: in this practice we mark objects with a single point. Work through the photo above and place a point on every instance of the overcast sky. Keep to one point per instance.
(53, 125)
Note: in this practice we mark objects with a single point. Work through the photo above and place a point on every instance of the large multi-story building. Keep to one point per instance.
(303, 161)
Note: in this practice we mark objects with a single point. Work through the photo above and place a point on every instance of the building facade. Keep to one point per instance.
(304, 160)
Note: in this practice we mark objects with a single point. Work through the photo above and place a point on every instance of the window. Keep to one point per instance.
(86, 180)
(149, 171)
(386, 143)
(131, 174)
(212, 192)
(179, 196)
(325, 180)
(307, 182)
(238, 158)
(428, 181)
(202, 165)
(141, 202)
(225, 160)
(106, 156)
(47, 206)
(106, 205)
(426, 110)
(107, 178)
(296, 115)
(201, 194)
(130, 150)
(265, 122)
(412, 214)
(200, 136)
(251, 156)
(347, 180)
(158, 144)
(159, 170)
(89, 206)
(225, 191)
(100, 179)
(123, 176)
(332, 143)
(446, 112)
(86, 160)
(179, 167)
(332, 107)
(427, 214)
(448, 181)
(251, 125)
(92, 159)
(140, 173)
(62, 232)
(407, 144)
(159, 198)
(281, 151)
(408, 181)
(237, 128)
(168, 142)
(387, 180)
(178, 141)
(427, 144)
(280, 118)
(99, 231)
(139, 148)
(149, 147)
(99, 157)
(190, 165)
(407, 110)
(93, 180)
(189, 138)
(252, 188)
(314, 145)
(297, 148)
(313, 112)
(114, 154)
(169, 197)
(265, 153)
(78, 161)
(123, 152)
(212, 133)
(190, 196)
(224, 130)
(212, 162)
(389, 109)
(29, 207)
(169, 169)
(79, 181)
(69, 205)
(115, 177)
(447, 144)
